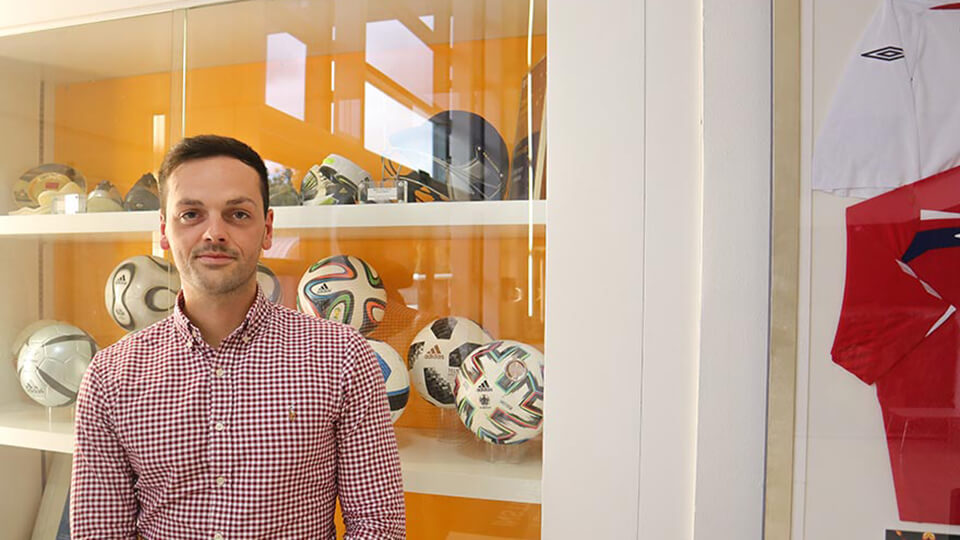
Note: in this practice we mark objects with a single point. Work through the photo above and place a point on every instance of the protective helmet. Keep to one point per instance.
(468, 154)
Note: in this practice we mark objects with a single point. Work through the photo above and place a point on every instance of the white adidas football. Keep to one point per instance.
(51, 362)
(345, 289)
(436, 353)
(499, 392)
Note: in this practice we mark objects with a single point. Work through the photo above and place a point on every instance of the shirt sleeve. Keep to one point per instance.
(868, 143)
(103, 505)
(887, 309)
(368, 464)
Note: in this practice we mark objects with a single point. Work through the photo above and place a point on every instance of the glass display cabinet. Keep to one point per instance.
(863, 407)
(406, 135)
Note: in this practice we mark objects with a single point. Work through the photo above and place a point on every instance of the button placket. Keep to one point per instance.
(219, 452)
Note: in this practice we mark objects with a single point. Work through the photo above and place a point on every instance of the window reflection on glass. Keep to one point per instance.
(286, 74)
(383, 118)
(159, 138)
(398, 53)
(348, 117)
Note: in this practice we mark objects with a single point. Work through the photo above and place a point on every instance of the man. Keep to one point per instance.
(233, 417)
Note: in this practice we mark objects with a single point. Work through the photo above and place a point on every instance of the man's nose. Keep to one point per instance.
(216, 231)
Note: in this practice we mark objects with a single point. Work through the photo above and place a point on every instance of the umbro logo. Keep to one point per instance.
(434, 354)
(888, 53)
(484, 387)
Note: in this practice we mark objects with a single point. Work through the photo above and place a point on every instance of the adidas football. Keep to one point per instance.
(140, 291)
(345, 289)
(499, 392)
(394, 375)
(436, 354)
(26, 333)
(51, 362)
(269, 283)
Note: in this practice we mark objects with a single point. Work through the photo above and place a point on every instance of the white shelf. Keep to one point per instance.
(467, 467)
(388, 220)
(457, 466)
(28, 425)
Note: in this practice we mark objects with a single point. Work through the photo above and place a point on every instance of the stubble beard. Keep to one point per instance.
(219, 281)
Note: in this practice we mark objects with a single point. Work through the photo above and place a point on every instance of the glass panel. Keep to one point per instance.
(409, 123)
(85, 113)
(877, 390)
(390, 130)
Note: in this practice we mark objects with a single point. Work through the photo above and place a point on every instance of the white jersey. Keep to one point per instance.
(896, 115)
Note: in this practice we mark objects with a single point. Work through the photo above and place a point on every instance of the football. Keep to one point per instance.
(269, 284)
(51, 362)
(140, 291)
(499, 392)
(394, 375)
(345, 289)
(436, 354)
(26, 333)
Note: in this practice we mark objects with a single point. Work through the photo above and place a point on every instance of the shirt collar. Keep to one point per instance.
(251, 324)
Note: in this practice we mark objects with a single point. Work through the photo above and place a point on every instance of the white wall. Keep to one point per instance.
(671, 292)
(735, 276)
(595, 243)
(683, 387)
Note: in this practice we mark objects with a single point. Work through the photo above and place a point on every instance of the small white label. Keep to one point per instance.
(381, 194)
(69, 203)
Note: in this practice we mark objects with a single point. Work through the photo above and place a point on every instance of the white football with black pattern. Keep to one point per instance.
(436, 354)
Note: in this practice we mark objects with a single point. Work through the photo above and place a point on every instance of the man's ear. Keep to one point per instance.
(268, 233)
(164, 243)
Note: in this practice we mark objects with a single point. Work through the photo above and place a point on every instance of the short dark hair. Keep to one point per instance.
(207, 146)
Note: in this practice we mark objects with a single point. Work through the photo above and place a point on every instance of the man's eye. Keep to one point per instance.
(241, 215)
(188, 215)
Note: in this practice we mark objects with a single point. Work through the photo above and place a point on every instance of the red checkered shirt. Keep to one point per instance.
(255, 439)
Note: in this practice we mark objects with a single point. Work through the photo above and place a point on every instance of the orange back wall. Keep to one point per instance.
(105, 129)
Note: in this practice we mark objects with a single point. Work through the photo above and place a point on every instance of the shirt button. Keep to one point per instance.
(218, 536)
(245, 338)
(219, 372)
(219, 426)
(221, 480)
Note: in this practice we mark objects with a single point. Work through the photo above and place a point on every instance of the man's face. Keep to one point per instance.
(214, 226)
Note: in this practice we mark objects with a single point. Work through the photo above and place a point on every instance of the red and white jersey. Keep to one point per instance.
(895, 117)
(899, 328)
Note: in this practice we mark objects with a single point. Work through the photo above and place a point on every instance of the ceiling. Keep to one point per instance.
(234, 33)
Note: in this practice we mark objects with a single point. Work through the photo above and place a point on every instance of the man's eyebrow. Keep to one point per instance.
(189, 202)
(240, 200)
(232, 202)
